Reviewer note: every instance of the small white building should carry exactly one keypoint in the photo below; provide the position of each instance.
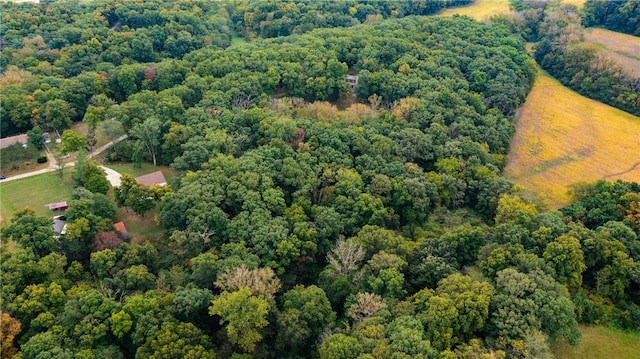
(353, 81)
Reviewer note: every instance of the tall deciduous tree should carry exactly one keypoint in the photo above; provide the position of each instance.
(149, 133)
(177, 341)
(31, 231)
(244, 316)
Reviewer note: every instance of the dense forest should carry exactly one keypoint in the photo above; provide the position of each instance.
(622, 16)
(307, 219)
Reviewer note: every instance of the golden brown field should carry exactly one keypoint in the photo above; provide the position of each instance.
(563, 138)
(623, 48)
(480, 9)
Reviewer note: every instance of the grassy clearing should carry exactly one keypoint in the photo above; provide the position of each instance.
(81, 129)
(623, 48)
(480, 9)
(140, 228)
(563, 138)
(577, 3)
(601, 343)
(236, 41)
(35, 192)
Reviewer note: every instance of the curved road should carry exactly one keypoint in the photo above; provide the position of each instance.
(112, 176)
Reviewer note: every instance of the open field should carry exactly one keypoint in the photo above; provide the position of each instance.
(35, 192)
(484, 9)
(563, 138)
(623, 48)
(601, 343)
(577, 3)
(480, 9)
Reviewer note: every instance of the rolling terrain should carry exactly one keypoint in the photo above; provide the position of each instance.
(623, 48)
(564, 138)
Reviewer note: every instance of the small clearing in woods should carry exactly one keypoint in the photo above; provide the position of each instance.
(563, 138)
(480, 9)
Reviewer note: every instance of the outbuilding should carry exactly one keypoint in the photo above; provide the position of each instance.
(59, 206)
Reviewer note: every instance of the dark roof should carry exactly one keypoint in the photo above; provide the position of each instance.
(122, 229)
(152, 178)
(58, 224)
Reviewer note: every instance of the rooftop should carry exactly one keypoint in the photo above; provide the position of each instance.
(152, 178)
(8, 141)
(120, 227)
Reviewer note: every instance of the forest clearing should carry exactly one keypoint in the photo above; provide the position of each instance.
(563, 138)
(623, 48)
(480, 9)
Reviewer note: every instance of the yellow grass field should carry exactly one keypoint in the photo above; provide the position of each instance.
(480, 9)
(483, 9)
(564, 138)
(623, 48)
(601, 343)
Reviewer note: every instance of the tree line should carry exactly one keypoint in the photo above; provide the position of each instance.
(561, 50)
(622, 16)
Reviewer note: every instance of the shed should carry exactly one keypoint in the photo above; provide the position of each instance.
(152, 178)
(120, 227)
(353, 81)
(59, 206)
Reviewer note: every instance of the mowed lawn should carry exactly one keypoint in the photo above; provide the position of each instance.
(35, 192)
(623, 48)
(480, 9)
(563, 138)
(601, 343)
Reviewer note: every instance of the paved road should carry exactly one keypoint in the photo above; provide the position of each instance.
(112, 176)
(34, 173)
(101, 149)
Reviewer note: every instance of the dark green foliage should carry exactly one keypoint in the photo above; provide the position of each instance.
(31, 231)
(328, 233)
(622, 16)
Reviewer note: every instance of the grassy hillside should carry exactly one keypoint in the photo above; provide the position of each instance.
(480, 9)
(601, 343)
(623, 48)
(563, 138)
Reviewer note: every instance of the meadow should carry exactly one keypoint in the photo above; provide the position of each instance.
(601, 343)
(563, 138)
(623, 48)
(480, 9)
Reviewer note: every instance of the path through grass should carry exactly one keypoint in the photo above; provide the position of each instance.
(563, 138)
(601, 343)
